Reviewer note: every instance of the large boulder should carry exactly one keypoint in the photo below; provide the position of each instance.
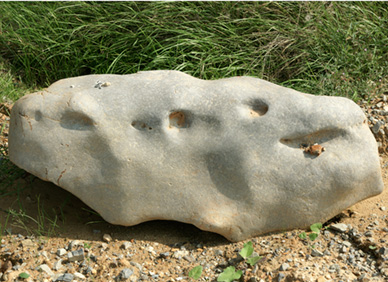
(237, 156)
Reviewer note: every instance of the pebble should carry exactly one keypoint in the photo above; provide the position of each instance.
(66, 277)
(27, 243)
(189, 258)
(284, 267)
(281, 276)
(76, 255)
(368, 234)
(179, 254)
(126, 245)
(79, 275)
(125, 274)
(164, 255)
(58, 265)
(316, 253)
(61, 252)
(137, 265)
(107, 238)
(383, 208)
(383, 251)
(340, 227)
(74, 244)
(46, 268)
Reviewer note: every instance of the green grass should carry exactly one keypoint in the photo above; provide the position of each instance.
(43, 224)
(11, 87)
(326, 48)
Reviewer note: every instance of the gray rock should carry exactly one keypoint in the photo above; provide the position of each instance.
(73, 244)
(57, 265)
(383, 251)
(316, 253)
(126, 245)
(284, 267)
(79, 275)
(46, 268)
(125, 274)
(223, 155)
(340, 227)
(164, 255)
(138, 265)
(61, 252)
(76, 255)
(66, 277)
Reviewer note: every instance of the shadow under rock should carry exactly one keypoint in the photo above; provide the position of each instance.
(76, 220)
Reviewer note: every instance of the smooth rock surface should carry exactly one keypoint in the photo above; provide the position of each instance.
(224, 155)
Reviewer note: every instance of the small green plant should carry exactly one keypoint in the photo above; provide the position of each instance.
(315, 230)
(87, 245)
(196, 272)
(24, 275)
(247, 252)
(229, 274)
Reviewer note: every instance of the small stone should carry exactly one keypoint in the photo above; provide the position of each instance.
(61, 252)
(150, 250)
(66, 277)
(76, 255)
(340, 227)
(284, 267)
(347, 244)
(164, 255)
(44, 254)
(316, 253)
(27, 243)
(137, 265)
(107, 238)
(189, 258)
(46, 268)
(368, 234)
(383, 251)
(383, 208)
(125, 274)
(376, 127)
(79, 275)
(126, 245)
(179, 254)
(58, 265)
(281, 276)
(74, 244)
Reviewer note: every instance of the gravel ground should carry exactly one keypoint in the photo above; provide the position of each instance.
(351, 247)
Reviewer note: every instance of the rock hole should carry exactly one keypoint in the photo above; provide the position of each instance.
(140, 125)
(76, 121)
(318, 137)
(38, 115)
(258, 108)
(178, 119)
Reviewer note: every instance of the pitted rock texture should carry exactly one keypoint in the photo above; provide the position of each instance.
(237, 156)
